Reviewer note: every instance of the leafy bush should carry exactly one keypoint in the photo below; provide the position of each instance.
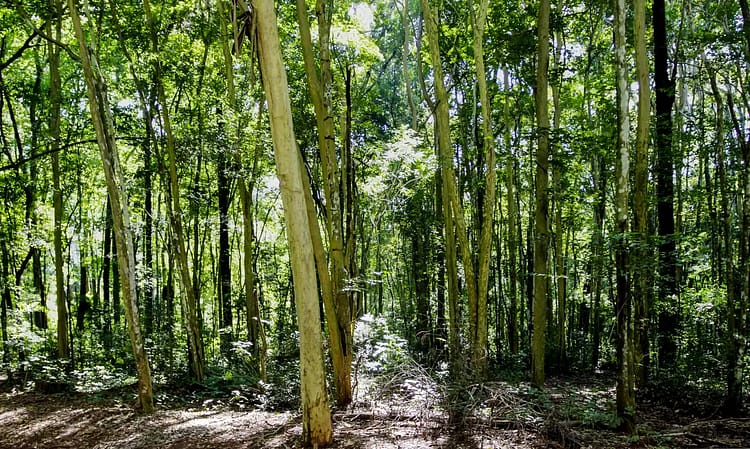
(378, 349)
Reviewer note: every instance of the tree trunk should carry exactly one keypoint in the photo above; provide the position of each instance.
(623, 349)
(664, 168)
(557, 172)
(103, 123)
(641, 269)
(320, 84)
(63, 350)
(541, 237)
(106, 271)
(448, 192)
(736, 276)
(148, 242)
(479, 335)
(224, 266)
(599, 176)
(316, 418)
(5, 296)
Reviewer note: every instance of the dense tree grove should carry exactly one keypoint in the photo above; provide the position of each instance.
(196, 189)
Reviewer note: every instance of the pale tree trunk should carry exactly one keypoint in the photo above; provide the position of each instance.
(255, 331)
(541, 213)
(105, 134)
(316, 417)
(642, 290)
(320, 84)
(195, 343)
(63, 346)
(623, 349)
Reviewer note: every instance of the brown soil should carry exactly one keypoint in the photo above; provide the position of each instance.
(506, 419)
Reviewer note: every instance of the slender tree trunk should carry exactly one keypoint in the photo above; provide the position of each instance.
(736, 276)
(103, 123)
(405, 56)
(557, 172)
(316, 418)
(623, 349)
(106, 271)
(737, 311)
(55, 92)
(5, 295)
(30, 189)
(448, 190)
(320, 84)
(148, 242)
(479, 335)
(641, 270)
(597, 255)
(224, 266)
(541, 218)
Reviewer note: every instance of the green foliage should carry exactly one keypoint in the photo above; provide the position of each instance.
(379, 350)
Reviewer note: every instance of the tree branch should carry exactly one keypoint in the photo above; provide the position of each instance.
(19, 163)
(73, 55)
(19, 52)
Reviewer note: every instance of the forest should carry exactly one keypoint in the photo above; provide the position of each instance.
(381, 224)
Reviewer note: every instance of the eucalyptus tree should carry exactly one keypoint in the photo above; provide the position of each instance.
(316, 417)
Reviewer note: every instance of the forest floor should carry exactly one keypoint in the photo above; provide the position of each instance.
(402, 411)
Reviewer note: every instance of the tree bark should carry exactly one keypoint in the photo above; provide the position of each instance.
(557, 172)
(316, 421)
(224, 265)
